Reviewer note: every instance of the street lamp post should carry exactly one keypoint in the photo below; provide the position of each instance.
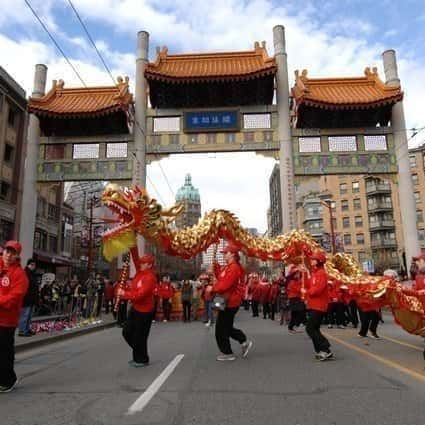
(328, 204)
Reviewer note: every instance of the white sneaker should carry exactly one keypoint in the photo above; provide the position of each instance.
(341, 327)
(330, 326)
(165, 320)
(208, 324)
(323, 355)
(246, 346)
(225, 357)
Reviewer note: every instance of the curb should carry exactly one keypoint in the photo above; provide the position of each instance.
(61, 337)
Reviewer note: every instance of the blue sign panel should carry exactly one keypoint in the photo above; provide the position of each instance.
(211, 121)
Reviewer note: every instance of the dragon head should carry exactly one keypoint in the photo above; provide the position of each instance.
(138, 215)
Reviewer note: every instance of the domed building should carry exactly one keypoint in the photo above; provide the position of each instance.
(188, 195)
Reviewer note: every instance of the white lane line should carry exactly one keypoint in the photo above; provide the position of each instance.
(153, 388)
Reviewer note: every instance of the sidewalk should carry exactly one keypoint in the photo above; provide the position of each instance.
(44, 338)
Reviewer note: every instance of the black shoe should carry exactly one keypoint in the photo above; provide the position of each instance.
(9, 388)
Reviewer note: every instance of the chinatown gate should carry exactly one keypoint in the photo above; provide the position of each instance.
(220, 102)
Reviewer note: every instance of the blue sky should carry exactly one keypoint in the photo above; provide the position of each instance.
(328, 37)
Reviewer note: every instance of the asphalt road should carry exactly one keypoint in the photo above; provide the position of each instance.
(87, 380)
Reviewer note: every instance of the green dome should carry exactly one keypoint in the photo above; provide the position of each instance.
(188, 192)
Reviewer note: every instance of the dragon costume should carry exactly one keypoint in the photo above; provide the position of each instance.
(139, 214)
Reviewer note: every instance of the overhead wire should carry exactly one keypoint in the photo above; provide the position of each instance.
(52, 38)
(113, 80)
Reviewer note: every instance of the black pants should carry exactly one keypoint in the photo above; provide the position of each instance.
(122, 312)
(314, 319)
(166, 308)
(369, 321)
(7, 356)
(336, 313)
(297, 317)
(266, 310)
(224, 330)
(254, 305)
(272, 310)
(135, 332)
(354, 318)
(187, 306)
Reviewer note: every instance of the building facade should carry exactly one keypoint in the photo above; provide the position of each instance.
(13, 106)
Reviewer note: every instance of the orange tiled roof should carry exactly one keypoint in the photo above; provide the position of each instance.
(344, 93)
(83, 101)
(228, 66)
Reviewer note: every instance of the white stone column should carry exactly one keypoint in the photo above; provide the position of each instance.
(287, 189)
(139, 168)
(405, 184)
(29, 195)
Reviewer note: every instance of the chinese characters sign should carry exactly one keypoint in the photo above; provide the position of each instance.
(211, 121)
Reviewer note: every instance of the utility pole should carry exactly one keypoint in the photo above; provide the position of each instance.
(328, 205)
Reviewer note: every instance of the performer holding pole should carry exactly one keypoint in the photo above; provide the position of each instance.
(230, 286)
(136, 329)
(317, 304)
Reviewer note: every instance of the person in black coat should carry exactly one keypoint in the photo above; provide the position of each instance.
(30, 300)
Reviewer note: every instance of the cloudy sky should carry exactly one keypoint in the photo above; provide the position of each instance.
(327, 37)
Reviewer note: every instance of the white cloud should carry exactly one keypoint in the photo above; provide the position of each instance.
(240, 183)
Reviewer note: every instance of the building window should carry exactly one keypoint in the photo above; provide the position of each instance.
(192, 139)
(343, 188)
(211, 138)
(412, 161)
(342, 143)
(344, 205)
(415, 179)
(116, 150)
(421, 234)
(166, 124)
(268, 136)
(357, 205)
(418, 197)
(173, 139)
(419, 216)
(8, 153)
(53, 244)
(347, 239)
(358, 220)
(345, 222)
(230, 137)
(6, 231)
(53, 152)
(355, 187)
(53, 213)
(362, 256)
(248, 136)
(4, 191)
(156, 139)
(375, 143)
(11, 118)
(86, 151)
(257, 121)
(309, 144)
(360, 238)
(40, 240)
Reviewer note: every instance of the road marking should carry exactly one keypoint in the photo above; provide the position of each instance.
(406, 344)
(384, 360)
(153, 388)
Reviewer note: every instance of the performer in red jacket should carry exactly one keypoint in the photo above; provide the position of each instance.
(137, 327)
(230, 285)
(13, 287)
(166, 292)
(317, 304)
(296, 304)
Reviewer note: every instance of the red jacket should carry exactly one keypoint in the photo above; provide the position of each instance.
(293, 289)
(265, 292)
(230, 283)
(317, 292)
(142, 291)
(334, 293)
(274, 292)
(109, 292)
(419, 282)
(256, 291)
(13, 287)
(165, 290)
(366, 304)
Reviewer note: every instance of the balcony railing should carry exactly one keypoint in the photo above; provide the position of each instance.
(381, 224)
(378, 188)
(380, 206)
(383, 243)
